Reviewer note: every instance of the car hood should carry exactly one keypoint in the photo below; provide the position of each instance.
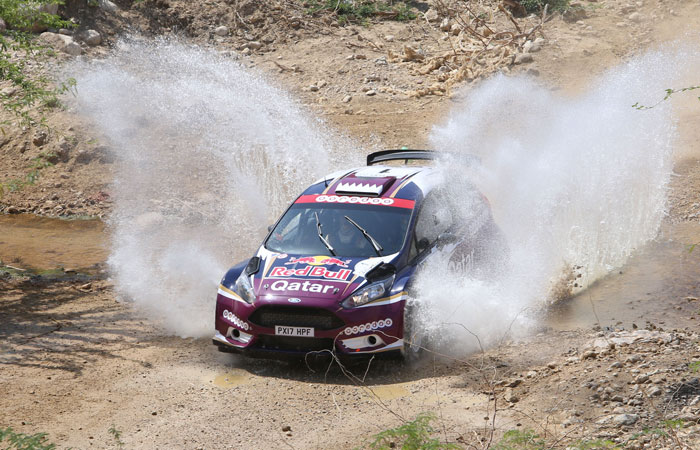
(315, 280)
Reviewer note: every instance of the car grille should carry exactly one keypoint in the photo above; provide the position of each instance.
(295, 316)
(292, 343)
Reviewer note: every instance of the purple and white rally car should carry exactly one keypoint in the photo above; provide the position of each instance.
(336, 270)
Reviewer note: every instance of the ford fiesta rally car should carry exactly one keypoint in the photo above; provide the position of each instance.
(335, 272)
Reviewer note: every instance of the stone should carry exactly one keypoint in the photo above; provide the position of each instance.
(431, 15)
(64, 148)
(246, 51)
(371, 92)
(313, 88)
(253, 45)
(635, 17)
(523, 58)
(510, 396)
(321, 83)
(625, 419)
(286, 428)
(3, 25)
(347, 99)
(62, 43)
(65, 32)
(445, 24)
(107, 5)
(455, 29)
(389, 38)
(39, 138)
(92, 38)
(221, 31)
(411, 54)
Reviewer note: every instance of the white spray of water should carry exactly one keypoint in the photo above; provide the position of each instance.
(576, 185)
(207, 154)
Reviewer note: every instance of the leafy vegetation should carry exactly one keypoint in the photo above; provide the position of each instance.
(18, 47)
(669, 93)
(117, 435)
(359, 11)
(27, 91)
(532, 6)
(414, 435)
(10, 439)
(520, 440)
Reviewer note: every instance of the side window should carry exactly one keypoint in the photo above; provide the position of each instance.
(434, 217)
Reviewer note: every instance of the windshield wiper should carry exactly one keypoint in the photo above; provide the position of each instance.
(320, 236)
(377, 248)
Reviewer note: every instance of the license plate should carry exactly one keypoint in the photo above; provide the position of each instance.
(281, 330)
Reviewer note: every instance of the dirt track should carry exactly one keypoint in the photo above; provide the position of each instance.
(75, 362)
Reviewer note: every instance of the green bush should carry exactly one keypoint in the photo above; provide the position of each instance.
(414, 435)
(9, 439)
(532, 6)
(359, 11)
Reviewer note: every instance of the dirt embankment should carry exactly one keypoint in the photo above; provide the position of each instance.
(76, 363)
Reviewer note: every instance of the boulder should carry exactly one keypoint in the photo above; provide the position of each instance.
(62, 43)
(221, 31)
(92, 38)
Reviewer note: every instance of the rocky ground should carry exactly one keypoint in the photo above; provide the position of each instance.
(76, 363)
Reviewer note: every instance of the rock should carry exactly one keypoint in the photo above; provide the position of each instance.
(286, 428)
(523, 58)
(64, 148)
(3, 25)
(65, 31)
(516, 382)
(431, 15)
(313, 88)
(39, 138)
(221, 31)
(347, 99)
(246, 51)
(321, 83)
(445, 24)
(389, 38)
(381, 61)
(635, 17)
(655, 391)
(92, 38)
(625, 419)
(510, 396)
(371, 92)
(455, 29)
(253, 45)
(61, 43)
(12, 210)
(107, 5)
(411, 54)
(527, 46)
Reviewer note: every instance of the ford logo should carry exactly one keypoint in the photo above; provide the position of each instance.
(294, 300)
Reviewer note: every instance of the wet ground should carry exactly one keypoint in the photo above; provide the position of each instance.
(653, 281)
(40, 243)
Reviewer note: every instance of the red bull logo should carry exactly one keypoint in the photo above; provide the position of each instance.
(311, 272)
(319, 261)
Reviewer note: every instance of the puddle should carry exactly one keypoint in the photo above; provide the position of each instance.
(390, 391)
(234, 377)
(655, 280)
(32, 242)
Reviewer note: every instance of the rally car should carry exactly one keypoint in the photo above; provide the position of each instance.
(335, 272)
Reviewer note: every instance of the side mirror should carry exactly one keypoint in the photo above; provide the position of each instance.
(422, 244)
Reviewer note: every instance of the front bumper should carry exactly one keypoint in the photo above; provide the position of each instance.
(373, 328)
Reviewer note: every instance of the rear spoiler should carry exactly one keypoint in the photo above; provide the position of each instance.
(412, 154)
(397, 155)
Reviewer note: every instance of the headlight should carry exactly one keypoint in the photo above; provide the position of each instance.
(244, 289)
(368, 293)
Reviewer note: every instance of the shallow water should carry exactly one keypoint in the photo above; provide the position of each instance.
(656, 279)
(32, 242)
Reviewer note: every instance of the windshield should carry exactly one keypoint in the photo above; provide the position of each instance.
(297, 231)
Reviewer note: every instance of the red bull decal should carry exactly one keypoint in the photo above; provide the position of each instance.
(319, 261)
(348, 199)
(312, 272)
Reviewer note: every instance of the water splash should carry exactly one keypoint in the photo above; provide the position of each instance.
(208, 153)
(576, 184)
